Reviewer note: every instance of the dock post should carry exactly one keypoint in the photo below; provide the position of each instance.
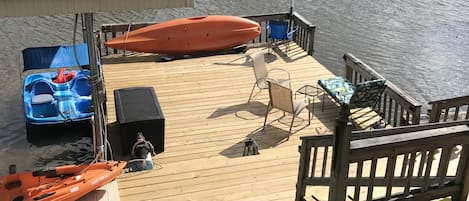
(340, 157)
(98, 93)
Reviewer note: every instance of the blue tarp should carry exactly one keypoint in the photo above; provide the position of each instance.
(54, 57)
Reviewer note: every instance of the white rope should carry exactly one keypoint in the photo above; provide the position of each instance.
(75, 54)
(126, 37)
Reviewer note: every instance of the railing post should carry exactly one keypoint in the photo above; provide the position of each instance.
(340, 157)
(103, 31)
(462, 175)
(312, 31)
(305, 155)
(98, 42)
(435, 113)
(416, 115)
(348, 69)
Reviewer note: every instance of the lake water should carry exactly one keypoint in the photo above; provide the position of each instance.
(419, 45)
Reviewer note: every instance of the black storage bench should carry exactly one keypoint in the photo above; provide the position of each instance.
(138, 110)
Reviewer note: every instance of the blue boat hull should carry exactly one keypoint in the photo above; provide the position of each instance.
(46, 102)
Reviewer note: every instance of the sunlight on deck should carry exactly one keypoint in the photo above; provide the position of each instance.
(204, 101)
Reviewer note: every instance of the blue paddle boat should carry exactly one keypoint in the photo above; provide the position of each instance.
(61, 95)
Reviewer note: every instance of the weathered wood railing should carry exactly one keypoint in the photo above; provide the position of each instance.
(457, 107)
(304, 36)
(396, 106)
(409, 154)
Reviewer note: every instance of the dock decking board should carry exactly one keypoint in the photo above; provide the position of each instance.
(204, 101)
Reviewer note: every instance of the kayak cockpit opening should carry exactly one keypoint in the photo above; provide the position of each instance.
(197, 18)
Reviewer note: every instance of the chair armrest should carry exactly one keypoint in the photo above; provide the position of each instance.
(264, 80)
(279, 69)
(290, 34)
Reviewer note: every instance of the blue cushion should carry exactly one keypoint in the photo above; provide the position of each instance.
(339, 88)
(367, 94)
(41, 99)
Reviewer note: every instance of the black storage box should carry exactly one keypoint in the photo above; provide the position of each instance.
(138, 110)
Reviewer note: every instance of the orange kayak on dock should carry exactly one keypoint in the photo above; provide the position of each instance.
(189, 35)
(64, 183)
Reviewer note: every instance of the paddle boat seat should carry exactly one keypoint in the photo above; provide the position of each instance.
(42, 87)
(43, 106)
(81, 86)
(42, 101)
(83, 105)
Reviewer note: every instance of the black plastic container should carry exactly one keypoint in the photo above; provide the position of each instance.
(138, 110)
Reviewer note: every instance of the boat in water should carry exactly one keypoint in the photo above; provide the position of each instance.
(64, 183)
(193, 35)
(57, 96)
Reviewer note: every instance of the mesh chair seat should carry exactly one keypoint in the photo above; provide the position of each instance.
(282, 98)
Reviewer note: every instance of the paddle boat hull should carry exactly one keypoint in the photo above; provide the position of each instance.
(57, 91)
(46, 102)
(189, 35)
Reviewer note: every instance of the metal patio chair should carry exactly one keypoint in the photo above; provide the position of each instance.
(281, 98)
(262, 75)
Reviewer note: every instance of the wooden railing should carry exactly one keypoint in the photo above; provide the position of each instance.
(416, 160)
(452, 109)
(396, 106)
(304, 36)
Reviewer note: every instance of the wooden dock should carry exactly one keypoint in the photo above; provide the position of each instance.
(108, 192)
(208, 119)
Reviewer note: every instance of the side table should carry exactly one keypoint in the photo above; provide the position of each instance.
(310, 91)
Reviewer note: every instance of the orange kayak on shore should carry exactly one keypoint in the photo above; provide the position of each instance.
(64, 183)
(189, 35)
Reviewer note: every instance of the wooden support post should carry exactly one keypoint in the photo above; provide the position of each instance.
(98, 43)
(312, 30)
(462, 174)
(105, 39)
(443, 166)
(305, 156)
(369, 195)
(435, 114)
(340, 157)
(348, 72)
(98, 91)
